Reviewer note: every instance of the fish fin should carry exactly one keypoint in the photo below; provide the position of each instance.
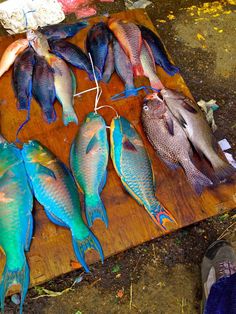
(196, 178)
(92, 143)
(94, 209)
(103, 182)
(170, 164)
(182, 121)
(128, 189)
(223, 169)
(168, 67)
(188, 104)
(161, 216)
(50, 115)
(138, 69)
(9, 278)
(127, 145)
(69, 116)
(81, 246)
(73, 78)
(54, 219)
(169, 124)
(45, 171)
(29, 233)
(156, 83)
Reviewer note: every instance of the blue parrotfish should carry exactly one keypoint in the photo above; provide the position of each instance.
(16, 222)
(55, 189)
(60, 31)
(43, 88)
(73, 55)
(97, 41)
(134, 168)
(88, 160)
(64, 79)
(22, 78)
(158, 51)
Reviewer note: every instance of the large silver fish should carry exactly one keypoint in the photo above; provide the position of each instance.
(198, 131)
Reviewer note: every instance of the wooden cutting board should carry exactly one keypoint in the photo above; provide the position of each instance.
(51, 250)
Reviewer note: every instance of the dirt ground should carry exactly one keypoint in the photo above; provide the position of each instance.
(163, 276)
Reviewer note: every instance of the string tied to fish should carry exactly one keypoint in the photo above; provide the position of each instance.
(126, 92)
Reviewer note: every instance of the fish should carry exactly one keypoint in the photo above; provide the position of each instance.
(129, 36)
(148, 64)
(22, 78)
(61, 31)
(109, 65)
(88, 161)
(97, 42)
(73, 55)
(64, 79)
(124, 69)
(10, 54)
(198, 131)
(43, 88)
(55, 189)
(133, 166)
(170, 141)
(16, 221)
(158, 50)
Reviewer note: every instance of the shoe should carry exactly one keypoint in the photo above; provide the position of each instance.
(219, 261)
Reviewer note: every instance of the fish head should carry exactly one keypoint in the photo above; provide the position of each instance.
(153, 107)
(93, 116)
(38, 41)
(34, 152)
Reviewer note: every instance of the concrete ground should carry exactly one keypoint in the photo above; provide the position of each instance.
(164, 275)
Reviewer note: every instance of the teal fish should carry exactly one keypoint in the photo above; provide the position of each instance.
(133, 166)
(88, 160)
(16, 222)
(55, 188)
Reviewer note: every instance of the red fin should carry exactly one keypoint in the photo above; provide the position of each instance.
(157, 84)
(128, 145)
(138, 70)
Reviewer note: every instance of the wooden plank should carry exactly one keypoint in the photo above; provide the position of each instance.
(51, 251)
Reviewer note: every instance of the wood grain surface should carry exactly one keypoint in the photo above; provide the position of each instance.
(51, 250)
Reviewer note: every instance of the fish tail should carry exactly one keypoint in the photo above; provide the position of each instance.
(156, 83)
(161, 216)
(138, 69)
(95, 209)
(69, 116)
(81, 246)
(50, 115)
(223, 169)
(170, 68)
(9, 278)
(196, 178)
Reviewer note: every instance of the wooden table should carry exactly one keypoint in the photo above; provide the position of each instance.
(51, 251)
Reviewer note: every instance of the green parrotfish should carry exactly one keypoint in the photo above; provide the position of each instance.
(88, 160)
(133, 166)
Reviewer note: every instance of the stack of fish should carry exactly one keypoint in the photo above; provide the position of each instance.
(37, 171)
(171, 121)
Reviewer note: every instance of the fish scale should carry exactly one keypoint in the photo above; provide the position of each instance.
(133, 166)
(88, 160)
(55, 188)
(16, 202)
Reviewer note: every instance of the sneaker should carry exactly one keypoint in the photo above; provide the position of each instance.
(219, 261)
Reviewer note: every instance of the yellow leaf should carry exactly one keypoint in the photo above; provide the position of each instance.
(200, 37)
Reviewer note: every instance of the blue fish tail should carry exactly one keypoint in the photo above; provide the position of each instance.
(95, 209)
(170, 68)
(9, 278)
(81, 246)
(161, 216)
(69, 116)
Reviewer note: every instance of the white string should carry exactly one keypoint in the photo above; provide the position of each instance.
(107, 106)
(98, 95)
(85, 91)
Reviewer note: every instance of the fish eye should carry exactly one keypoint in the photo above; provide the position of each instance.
(145, 108)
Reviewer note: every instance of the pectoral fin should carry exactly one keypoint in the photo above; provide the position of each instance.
(45, 171)
(92, 144)
(169, 125)
(127, 145)
(189, 105)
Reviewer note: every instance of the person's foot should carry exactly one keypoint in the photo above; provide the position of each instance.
(219, 261)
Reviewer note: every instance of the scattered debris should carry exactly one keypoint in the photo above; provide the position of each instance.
(115, 269)
(120, 293)
(96, 281)
(118, 275)
(208, 107)
(140, 4)
(131, 295)
(224, 145)
(15, 298)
